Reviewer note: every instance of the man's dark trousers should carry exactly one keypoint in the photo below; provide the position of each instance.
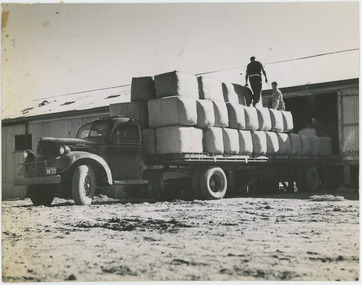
(255, 84)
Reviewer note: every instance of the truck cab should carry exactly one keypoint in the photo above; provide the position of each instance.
(107, 151)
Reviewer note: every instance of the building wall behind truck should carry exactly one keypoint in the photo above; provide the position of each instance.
(10, 160)
(47, 127)
(348, 120)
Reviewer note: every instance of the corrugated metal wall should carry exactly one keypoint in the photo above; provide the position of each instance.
(349, 120)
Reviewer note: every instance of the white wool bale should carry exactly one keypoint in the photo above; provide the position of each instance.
(264, 119)
(136, 110)
(259, 142)
(178, 139)
(221, 114)
(284, 143)
(176, 83)
(326, 146)
(213, 141)
(149, 141)
(272, 143)
(306, 145)
(251, 118)
(295, 144)
(236, 115)
(276, 118)
(210, 89)
(308, 132)
(245, 142)
(287, 121)
(231, 141)
(205, 113)
(315, 144)
(234, 93)
(172, 111)
(143, 89)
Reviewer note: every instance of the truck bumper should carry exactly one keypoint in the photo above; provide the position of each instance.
(54, 179)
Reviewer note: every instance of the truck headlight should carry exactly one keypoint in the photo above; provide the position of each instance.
(63, 150)
(28, 154)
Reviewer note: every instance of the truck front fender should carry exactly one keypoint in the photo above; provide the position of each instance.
(67, 161)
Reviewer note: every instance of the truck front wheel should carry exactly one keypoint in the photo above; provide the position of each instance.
(83, 185)
(213, 183)
(39, 195)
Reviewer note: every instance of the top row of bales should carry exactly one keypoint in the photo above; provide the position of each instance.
(178, 98)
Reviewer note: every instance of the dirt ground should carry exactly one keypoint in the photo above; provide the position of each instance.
(288, 237)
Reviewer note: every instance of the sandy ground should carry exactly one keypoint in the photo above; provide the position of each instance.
(289, 237)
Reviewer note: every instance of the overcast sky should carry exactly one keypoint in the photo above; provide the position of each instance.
(53, 49)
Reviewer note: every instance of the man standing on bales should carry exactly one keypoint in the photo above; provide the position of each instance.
(277, 97)
(253, 73)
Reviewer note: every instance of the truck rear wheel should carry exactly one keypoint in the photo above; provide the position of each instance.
(83, 185)
(213, 183)
(39, 195)
(308, 179)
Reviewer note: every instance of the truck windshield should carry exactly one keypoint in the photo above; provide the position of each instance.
(95, 129)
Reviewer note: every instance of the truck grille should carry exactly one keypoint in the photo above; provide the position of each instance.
(36, 169)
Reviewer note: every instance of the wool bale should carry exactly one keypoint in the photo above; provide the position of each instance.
(143, 89)
(176, 83)
(315, 144)
(205, 113)
(259, 142)
(221, 114)
(295, 144)
(234, 93)
(306, 145)
(272, 143)
(284, 143)
(136, 110)
(213, 141)
(231, 141)
(287, 121)
(210, 89)
(326, 146)
(236, 115)
(308, 132)
(251, 118)
(178, 139)
(276, 118)
(264, 119)
(245, 142)
(149, 141)
(172, 111)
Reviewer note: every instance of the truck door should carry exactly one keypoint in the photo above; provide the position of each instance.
(124, 151)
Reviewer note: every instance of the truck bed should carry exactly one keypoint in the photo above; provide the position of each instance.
(186, 158)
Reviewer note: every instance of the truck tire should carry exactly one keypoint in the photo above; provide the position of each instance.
(39, 195)
(83, 185)
(213, 183)
(308, 179)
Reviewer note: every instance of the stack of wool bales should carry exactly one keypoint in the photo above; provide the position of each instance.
(183, 113)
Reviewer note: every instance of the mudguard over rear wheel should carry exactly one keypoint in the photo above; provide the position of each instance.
(40, 195)
(83, 185)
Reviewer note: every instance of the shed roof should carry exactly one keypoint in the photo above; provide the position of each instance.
(71, 102)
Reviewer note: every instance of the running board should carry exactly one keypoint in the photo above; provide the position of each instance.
(130, 182)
